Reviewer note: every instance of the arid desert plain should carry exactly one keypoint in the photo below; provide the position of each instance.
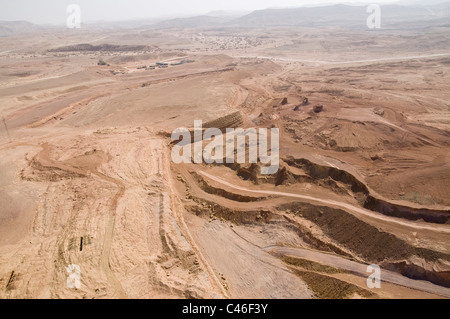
(87, 177)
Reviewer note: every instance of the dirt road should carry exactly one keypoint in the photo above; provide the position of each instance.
(359, 269)
(345, 62)
(352, 208)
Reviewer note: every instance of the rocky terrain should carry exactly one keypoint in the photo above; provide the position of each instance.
(87, 179)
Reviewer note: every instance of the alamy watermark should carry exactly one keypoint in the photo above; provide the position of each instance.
(74, 19)
(374, 280)
(374, 19)
(225, 147)
(74, 277)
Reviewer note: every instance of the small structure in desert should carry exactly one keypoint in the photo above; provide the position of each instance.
(318, 108)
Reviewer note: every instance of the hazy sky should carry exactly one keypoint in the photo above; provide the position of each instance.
(54, 11)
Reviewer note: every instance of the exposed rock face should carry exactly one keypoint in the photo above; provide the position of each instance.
(83, 47)
(284, 177)
(421, 269)
(318, 108)
(284, 101)
(376, 157)
(304, 102)
(379, 111)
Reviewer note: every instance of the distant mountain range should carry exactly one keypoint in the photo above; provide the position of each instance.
(192, 22)
(15, 27)
(320, 16)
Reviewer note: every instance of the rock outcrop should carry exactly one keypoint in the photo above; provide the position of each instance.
(318, 108)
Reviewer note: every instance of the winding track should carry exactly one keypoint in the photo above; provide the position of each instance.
(355, 209)
(388, 59)
(338, 261)
(359, 269)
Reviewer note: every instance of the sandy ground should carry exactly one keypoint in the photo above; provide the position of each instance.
(86, 176)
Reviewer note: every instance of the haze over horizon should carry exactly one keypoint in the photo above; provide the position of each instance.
(54, 11)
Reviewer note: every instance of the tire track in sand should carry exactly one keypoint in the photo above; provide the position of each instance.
(109, 232)
(44, 159)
